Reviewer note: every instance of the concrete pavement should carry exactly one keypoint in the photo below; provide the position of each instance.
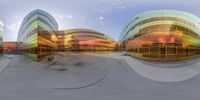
(4, 62)
(163, 72)
(23, 79)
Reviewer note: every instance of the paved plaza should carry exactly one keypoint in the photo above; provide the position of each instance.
(84, 76)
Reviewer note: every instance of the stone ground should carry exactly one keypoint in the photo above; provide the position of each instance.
(75, 76)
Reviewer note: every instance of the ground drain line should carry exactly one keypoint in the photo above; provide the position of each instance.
(102, 78)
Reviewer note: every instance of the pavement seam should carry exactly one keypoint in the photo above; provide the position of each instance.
(88, 85)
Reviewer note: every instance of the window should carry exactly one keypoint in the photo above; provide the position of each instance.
(171, 50)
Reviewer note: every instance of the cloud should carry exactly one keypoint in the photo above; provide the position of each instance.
(11, 28)
(121, 7)
(69, 16)
(62, 16)
(101, 9)
(63, 20)
(11, 31)
(101, 18)
(14, 26)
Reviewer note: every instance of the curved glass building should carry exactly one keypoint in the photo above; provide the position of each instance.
(85, 40)
(37, 35)
(1, 37)
(164, 35)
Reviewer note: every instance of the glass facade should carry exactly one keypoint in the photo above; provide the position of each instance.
(163, 35)
(10, 47)
(37, 35)
(1, 37)
(85, 40)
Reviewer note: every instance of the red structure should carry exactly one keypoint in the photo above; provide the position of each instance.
(10, 47)
(61, 43)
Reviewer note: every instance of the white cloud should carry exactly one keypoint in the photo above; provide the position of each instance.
(12, 31)
(101, 9)
(63, 20)
(109, 7)
(101, 18)
(14, 26)
(121, 7)
(62, 16)
(69, 16)
(11, 28)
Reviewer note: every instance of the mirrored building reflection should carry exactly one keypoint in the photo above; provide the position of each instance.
(1, 37)
(162, 35)
(85, 40)
(10, 47)
(37, 35)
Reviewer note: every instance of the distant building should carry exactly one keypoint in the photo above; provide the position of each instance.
(10, 47)
(1, 37)
(84, 40)
(61, 41)
(37, 35)
(164, 35)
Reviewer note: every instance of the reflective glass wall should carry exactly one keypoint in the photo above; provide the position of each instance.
(163, 35)
(37, 35)
(85, 40)
(10, 47)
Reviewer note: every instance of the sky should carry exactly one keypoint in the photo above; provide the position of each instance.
(106, 16)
